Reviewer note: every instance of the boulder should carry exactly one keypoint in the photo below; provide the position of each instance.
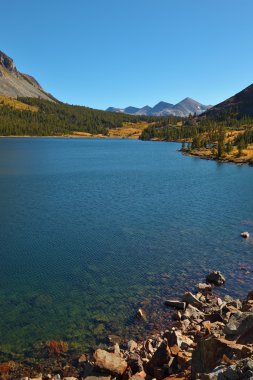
(135, 363)
(189, 298)
(215, 278)
(110, 362)
(176, 338)
(176, 304)
(210, 351)
(161, 356)
(240, 325)
(192, 312)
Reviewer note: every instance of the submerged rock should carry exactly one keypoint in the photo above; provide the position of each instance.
(176, 304)
(140, 314)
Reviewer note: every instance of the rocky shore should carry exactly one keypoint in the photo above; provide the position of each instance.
(207, 154)
(208, 338)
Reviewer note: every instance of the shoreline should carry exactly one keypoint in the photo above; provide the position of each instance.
(207, 336)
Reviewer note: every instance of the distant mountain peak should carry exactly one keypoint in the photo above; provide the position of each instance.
(184, 108)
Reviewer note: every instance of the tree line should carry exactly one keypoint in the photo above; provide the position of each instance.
(59, 118)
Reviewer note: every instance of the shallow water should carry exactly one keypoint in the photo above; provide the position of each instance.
(91, 229)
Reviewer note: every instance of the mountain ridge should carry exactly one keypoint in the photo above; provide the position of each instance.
(15, 84)
(240, 104)
(184, 108)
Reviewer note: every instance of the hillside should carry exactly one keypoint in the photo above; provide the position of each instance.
(13, 83)
(240, 104)
(224, 132)
(39, 117)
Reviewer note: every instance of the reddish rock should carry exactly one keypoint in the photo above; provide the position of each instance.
(110, 362)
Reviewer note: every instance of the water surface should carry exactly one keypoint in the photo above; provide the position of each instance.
(91, 229)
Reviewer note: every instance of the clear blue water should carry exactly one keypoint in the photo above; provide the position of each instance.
(91, 229)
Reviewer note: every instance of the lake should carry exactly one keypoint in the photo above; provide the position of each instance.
(92, 229)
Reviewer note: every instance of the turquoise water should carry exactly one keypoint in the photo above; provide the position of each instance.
(91, 229)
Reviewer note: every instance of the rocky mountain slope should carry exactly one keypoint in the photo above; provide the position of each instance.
(183, 109)
(16, 84)
(240, 104)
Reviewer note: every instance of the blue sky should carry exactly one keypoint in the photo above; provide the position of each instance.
(104, 53)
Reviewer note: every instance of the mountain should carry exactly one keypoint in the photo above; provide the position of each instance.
(15, 84)
(189, 106)
(146, 111)
(162, 108)
(131, 110)
(183, 109)
(240, 104)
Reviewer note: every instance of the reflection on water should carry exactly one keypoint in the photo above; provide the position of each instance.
(92, 229)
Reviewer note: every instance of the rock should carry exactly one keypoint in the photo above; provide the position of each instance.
(176, 338)
(176, 304)
(204, 287)
(184, 360)
(110, 362)
(161, 356)
(209, 353)
(116, 349)
(216, 278)
(174, 350)
(135, 363)
(132, 345)
(250, 296)
(158, 373)
(82, 359)
(139, 376)
(245, 235)
(192, 312)
(240, 325)
(189, 298)
(148, 346)
(140, 314)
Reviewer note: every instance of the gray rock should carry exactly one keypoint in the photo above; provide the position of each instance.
(239, 324)
(216, 278)
(189, 298)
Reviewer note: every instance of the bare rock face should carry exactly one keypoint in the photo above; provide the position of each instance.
(7, 62)
(110, 362)
(14, 83)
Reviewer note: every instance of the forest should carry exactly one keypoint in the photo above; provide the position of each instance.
(45, 118)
